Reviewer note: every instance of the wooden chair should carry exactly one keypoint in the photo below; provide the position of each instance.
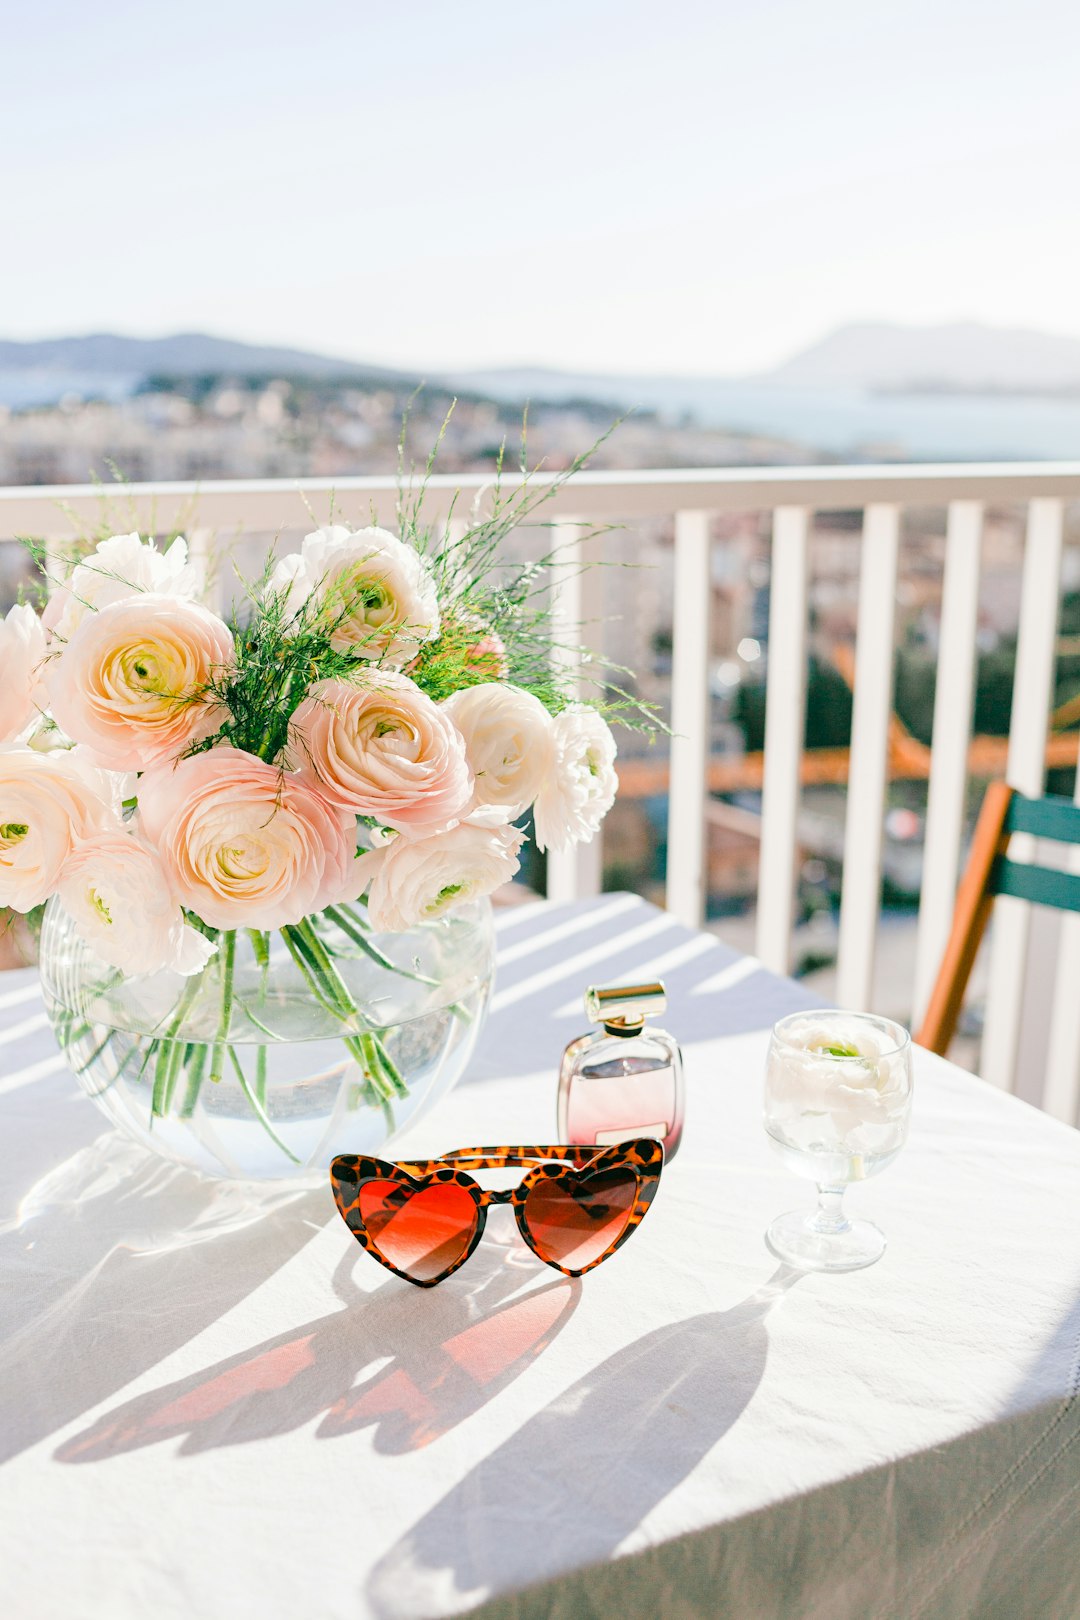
(988, 873)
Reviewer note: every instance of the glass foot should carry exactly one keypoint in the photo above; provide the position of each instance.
(796, 1238)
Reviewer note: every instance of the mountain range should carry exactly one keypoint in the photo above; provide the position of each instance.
(868, 357)
(184, 354)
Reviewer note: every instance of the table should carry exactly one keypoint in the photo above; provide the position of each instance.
(220, 1408)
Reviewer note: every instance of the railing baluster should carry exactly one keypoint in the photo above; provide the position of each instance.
(1061, 1096)
(575, 873)
(1026, 770)
(954, 703)
(686, 850)
(785, 725)
(860, 903)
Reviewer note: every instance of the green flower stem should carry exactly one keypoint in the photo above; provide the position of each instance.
(260, 1073)
(164, 1047)
(332, 993)
(257, 1108)
(298, 951)
(380, 1059)
(384, 1068)
(345, 918)
(325, 963)
(227, 953)
(196, 1069)
(352, 927)
(182, 1056)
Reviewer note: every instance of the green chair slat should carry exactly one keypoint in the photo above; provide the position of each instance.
(1049, 817)
(1040, 884)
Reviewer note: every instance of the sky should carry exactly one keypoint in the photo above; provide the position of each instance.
(682, 187)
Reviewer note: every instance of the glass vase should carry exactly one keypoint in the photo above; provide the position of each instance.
(288, 1047)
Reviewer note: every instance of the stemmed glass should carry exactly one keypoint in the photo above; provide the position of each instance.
(837, 1105)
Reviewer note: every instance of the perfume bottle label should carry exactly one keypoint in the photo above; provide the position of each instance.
(606, 1138)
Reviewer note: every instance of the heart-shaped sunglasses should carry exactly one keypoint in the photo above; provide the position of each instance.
(424, 1218)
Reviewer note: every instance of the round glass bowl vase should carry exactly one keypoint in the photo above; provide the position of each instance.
(288, 1047)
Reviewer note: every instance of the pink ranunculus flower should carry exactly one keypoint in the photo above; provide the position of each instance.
(132, 682)
(508, 742)
(245, 844)
(374, 593)
(22, 648)
(487, 657)
(378, 746)
(115, 888)
(412, 881)
(122, 566)
(48, 803)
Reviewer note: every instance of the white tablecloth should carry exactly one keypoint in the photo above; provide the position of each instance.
(214, 1408)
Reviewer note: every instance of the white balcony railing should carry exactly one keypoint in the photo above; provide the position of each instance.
(791, 496)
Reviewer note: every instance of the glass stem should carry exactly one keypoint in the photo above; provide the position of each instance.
(829, 1218)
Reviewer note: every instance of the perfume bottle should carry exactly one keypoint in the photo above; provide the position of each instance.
(623, 1080)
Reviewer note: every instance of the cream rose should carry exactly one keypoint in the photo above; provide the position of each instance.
(378, 746)
(246, 845)
(116, 889)
(48, 803)
(373, 591)
(22, 648)
(581, 785)
(120, 567)
(508, 742)
(411, 881)
(131, 683)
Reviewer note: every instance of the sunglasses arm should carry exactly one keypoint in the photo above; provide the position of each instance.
(500, 1158)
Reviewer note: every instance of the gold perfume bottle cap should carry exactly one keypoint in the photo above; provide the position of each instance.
(624, 1007)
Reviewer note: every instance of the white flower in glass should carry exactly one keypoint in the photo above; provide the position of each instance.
(120, 567)
(843, 1077)
(22, 647)
(580, 787)
(374, 594)
(116, 890)
(509, 743)
(413, 880)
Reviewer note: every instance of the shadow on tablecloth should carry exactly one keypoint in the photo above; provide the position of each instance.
(582, 1474)
(986, 1527)
(433, 1369)
(115, 1259)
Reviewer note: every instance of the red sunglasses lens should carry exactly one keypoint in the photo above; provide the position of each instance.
(574, 1219)
(423, 1231)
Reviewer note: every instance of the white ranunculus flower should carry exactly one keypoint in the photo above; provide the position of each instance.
(22, 648)
(116, 890)
(508, 742)
(410, 881)
(374, 592)
(48, 804)
(581, 785)
(840, 1067)
(119, 567)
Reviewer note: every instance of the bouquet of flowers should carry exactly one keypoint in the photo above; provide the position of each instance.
(357, 743)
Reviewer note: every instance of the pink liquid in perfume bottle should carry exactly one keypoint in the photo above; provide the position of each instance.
(621, 1089)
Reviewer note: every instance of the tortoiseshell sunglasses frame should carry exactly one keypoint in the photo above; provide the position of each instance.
(644, 1156)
